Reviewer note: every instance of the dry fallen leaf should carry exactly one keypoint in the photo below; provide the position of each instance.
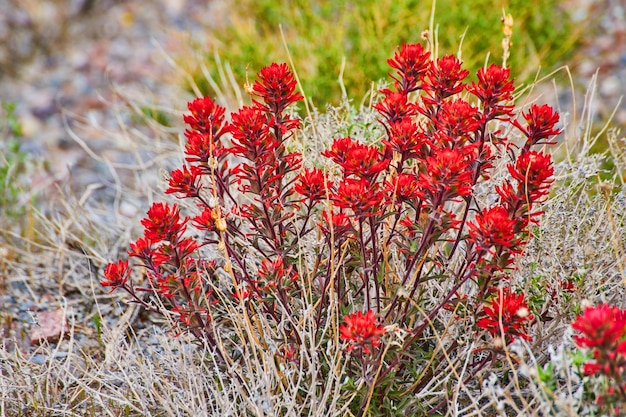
(51, 325)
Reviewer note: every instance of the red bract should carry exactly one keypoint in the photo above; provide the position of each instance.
(277, 87)
(361, 331)
(313, 184)
(358, 195)
(206, 220)
(493, 88)
(448, 175)
(403, 187)
(116, 275)
(274, 275)
(356, 158)
(601, 326)
(541, 121)
(443, 79)
(340, 228)
(493, 227)
(185, 181)
(251, 135)
(533, 171)
(163, 223)
(458, 120)
(395, 107)
(405, 138)
(507, 314)
(206, 117)
(410, 62)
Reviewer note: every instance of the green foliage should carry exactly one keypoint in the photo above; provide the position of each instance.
(321, 34)
(12, 161)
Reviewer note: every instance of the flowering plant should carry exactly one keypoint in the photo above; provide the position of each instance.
(603, 331)
(371, 252)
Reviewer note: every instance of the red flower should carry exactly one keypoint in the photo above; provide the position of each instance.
(206, 117)
(507, 313)
(411, 62)
(402, 187)
(361, 331)
(251, 138)
(493, 88)
(163, 223)
(116, 275)
(405, 138)
(601, 326)
(358, 195)
(185, 181)
(356, 158)
(493, 227)
(457, 119)
(443, 79)
(206, 220)
(200, 147)
(395, 107)
(274, 275)
(340, 228)
(541, 122)
(448, 175)
(312, 184)
(533, 171)
(277, 86)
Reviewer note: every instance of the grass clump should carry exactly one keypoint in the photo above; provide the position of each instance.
(349, 39)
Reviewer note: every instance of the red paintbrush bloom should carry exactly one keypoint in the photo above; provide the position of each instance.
(357, 158)
(313, 184)
(507, 313)
(493, 88)
(163, 223)
(206, 117)
(206, 220)
(405, 138)
(116, 275)
(457, 119)
(410, 62)
(201, 146)
(274, 275)
(361, 331)
(402, 187)
(358, 195)
(443, 79)
(251, 135)
(493, 227)
(277, 86)
(185, 181)
(533, 171)
(541, 121)
(395, 107)
(340, 227)
(601, 326)
(448, 175)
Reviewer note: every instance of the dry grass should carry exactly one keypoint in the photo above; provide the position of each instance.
(119, 361)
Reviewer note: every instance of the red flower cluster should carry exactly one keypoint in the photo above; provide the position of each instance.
(116, 275)
(361, 331)
(603, 330)
(507, 314)
(393, 215)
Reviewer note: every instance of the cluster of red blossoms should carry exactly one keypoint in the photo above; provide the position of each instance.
(603, 331)
(389, 216)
